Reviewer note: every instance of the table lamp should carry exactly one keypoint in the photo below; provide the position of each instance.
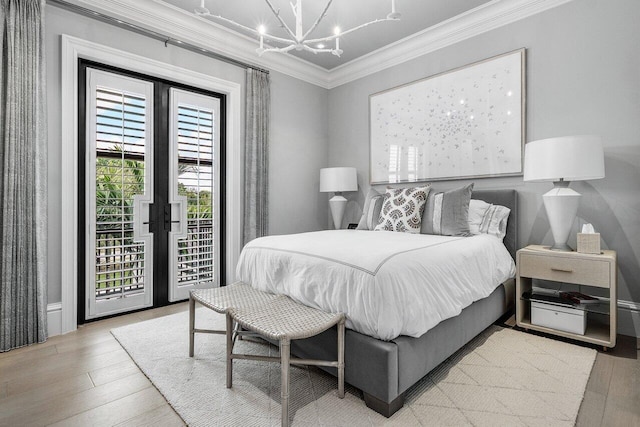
(337, 180)
(562, 160)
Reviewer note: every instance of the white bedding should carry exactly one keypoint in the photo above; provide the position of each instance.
(387, 283)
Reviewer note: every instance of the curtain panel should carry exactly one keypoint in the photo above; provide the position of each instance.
(23, 160)
(256, 155)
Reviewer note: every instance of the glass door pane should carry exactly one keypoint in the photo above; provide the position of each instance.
(118, 193)
(194, 189)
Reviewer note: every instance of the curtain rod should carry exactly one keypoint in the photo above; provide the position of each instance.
(150, 33)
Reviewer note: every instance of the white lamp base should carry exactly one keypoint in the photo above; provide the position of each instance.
(561, 204)
(338, 205)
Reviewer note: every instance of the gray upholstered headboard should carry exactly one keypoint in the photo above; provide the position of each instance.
(509, 199)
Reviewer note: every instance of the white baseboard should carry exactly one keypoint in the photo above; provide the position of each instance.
(629, 318)
(54, 318)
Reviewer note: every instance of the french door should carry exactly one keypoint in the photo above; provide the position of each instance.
(193, 247)
(152, 191)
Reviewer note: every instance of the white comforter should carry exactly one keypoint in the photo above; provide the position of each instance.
(387, 283)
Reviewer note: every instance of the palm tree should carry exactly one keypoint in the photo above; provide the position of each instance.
(117, 181)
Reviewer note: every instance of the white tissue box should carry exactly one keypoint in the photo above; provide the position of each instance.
(589, 243)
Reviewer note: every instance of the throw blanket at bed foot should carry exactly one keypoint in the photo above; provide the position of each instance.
(388, 284)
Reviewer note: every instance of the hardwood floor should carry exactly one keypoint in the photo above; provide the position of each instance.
(86, 378)
(82, 378)
(612, 397)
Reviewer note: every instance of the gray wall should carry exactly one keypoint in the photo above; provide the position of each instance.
(583, 77)
(299, 140)
(298, 135)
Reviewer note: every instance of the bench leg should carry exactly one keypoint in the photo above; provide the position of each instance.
(341, 359)
(229, 351)
(192, 323)
(285, 348)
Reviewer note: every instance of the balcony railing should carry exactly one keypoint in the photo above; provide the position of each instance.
(120, 261)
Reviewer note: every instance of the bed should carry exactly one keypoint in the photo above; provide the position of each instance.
(401, 322)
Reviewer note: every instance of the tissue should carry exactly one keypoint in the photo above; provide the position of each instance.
(588, 240)
(588, 229)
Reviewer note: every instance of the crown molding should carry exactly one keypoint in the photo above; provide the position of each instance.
(179, 24)
(489, 16)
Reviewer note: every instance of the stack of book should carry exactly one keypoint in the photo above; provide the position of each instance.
(567, 299)
(578, 298)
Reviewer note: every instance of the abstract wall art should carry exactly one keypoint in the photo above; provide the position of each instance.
(464, 123)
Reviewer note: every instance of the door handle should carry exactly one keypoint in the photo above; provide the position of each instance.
(176, 209)
(168, 222)
(141, 217)
(152, 218)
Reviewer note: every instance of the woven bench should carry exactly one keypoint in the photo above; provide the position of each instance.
(275, 317)
(221, 300)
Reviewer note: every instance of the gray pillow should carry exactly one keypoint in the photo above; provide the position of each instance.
(447, 213)
(371, 211)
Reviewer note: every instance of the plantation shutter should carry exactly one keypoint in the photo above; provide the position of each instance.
(119, 133)
(196, 143)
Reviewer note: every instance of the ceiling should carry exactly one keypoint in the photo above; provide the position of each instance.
(417, 15)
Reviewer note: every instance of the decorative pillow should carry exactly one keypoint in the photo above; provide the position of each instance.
(371, 211)
(447, 213)
(402, 209)
(485, 218)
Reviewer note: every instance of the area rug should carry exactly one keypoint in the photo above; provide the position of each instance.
(502, 377)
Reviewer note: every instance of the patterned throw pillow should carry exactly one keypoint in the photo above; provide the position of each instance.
(402, 209)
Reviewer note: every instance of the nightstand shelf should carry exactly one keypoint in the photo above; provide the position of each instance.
(599, 271)
(602, 308)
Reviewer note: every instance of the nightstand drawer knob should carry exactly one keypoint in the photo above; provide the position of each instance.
(563, 270)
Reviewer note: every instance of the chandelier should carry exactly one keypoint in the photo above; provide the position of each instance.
(298, 40)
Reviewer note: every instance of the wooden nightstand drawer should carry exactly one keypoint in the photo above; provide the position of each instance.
(565, 269)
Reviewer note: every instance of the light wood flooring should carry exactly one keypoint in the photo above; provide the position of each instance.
(85, 378)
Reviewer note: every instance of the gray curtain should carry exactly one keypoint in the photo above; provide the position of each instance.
(256, 155)
(23, 159)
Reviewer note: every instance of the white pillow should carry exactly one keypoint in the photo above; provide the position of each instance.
(485, 218)
(371, 211)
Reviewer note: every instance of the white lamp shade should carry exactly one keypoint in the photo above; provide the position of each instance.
(338, 179)
(572, 158)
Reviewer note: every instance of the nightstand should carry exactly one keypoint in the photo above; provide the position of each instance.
(588, 270)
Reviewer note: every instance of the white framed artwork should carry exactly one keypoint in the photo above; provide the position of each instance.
(464, 123)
